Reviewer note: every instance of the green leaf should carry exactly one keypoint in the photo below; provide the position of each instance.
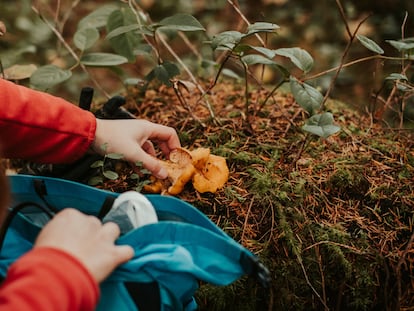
(145, 171)
(163, 73)
(181, 22)
(97, 18)
(231, 74)
(321, 125)
(134, 176)
(110, 175)
(254, 59)
(97, 164)
(19, 72)
(300, 57)
(227, 40)
(265, 51)
(96, 180)
(261, 27)
(47, 76)
(115, 156)
(103, 59)
(125, 42)
(241, 49)
(85, 38)
(139, 163)
(141, 185)
(11, 56)
(103, 147)
(397, 76)
(122, 30)
(370, 44)
(306, 96)
(402, 45)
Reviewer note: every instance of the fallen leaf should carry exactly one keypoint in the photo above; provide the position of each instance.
(19, 72)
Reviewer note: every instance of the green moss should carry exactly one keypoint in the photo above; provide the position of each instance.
(349, 181)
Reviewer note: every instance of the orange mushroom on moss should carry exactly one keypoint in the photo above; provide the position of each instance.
(207, 172)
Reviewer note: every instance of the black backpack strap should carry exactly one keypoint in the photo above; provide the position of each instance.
(146, 296)
(106, 206)
(41, 190)
(254, 267)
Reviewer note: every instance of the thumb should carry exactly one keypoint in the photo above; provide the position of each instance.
(124, 253)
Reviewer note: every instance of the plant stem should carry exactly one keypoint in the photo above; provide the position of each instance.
(351, 63)
(70, 50)
(237, 9)
(134, 6)
(345, 53)
(246, 89)
(278, 85)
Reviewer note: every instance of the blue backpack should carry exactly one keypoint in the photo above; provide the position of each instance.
(171, 256)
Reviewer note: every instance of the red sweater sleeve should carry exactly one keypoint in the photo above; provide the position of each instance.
(40, 127)
(48, 279)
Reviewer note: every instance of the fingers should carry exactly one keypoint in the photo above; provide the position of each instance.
(153, 165)
(166, 137)
(134, 139)
(111, 231)
(121, 253)
(148, 147)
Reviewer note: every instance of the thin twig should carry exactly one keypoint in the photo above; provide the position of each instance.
(320, 265)
(404, 23)
(345, 53)
(398, 269)
(246, 219)
(351, 63)
(181, 99)
(344, 19)
(404, 68)
(70, 50)
(310, 284)
(135, 7)
(237, 9)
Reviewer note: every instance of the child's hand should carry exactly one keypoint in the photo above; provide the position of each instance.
(87, 239)
(134, 140)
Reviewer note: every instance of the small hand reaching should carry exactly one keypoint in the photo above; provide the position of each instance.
(134, 140)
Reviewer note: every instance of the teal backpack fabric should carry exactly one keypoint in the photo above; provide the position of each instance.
(171, 256)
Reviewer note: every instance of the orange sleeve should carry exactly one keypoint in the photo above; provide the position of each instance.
(40, 127)
(48, 279)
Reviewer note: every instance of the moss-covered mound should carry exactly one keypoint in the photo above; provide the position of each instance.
(332, 219)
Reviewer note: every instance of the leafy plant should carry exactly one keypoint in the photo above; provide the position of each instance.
(138, 177)
(105, 172)
(128, 33)
(236, 46)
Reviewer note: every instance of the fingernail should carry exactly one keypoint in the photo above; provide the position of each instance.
(162, 173)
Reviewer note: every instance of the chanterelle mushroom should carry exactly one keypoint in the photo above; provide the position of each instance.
(180, 170)
(212, 176)
(208, 172)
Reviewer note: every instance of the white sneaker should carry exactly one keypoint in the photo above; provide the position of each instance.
(131, 210)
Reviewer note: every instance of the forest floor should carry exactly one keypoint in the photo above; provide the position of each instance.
(331, 218)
